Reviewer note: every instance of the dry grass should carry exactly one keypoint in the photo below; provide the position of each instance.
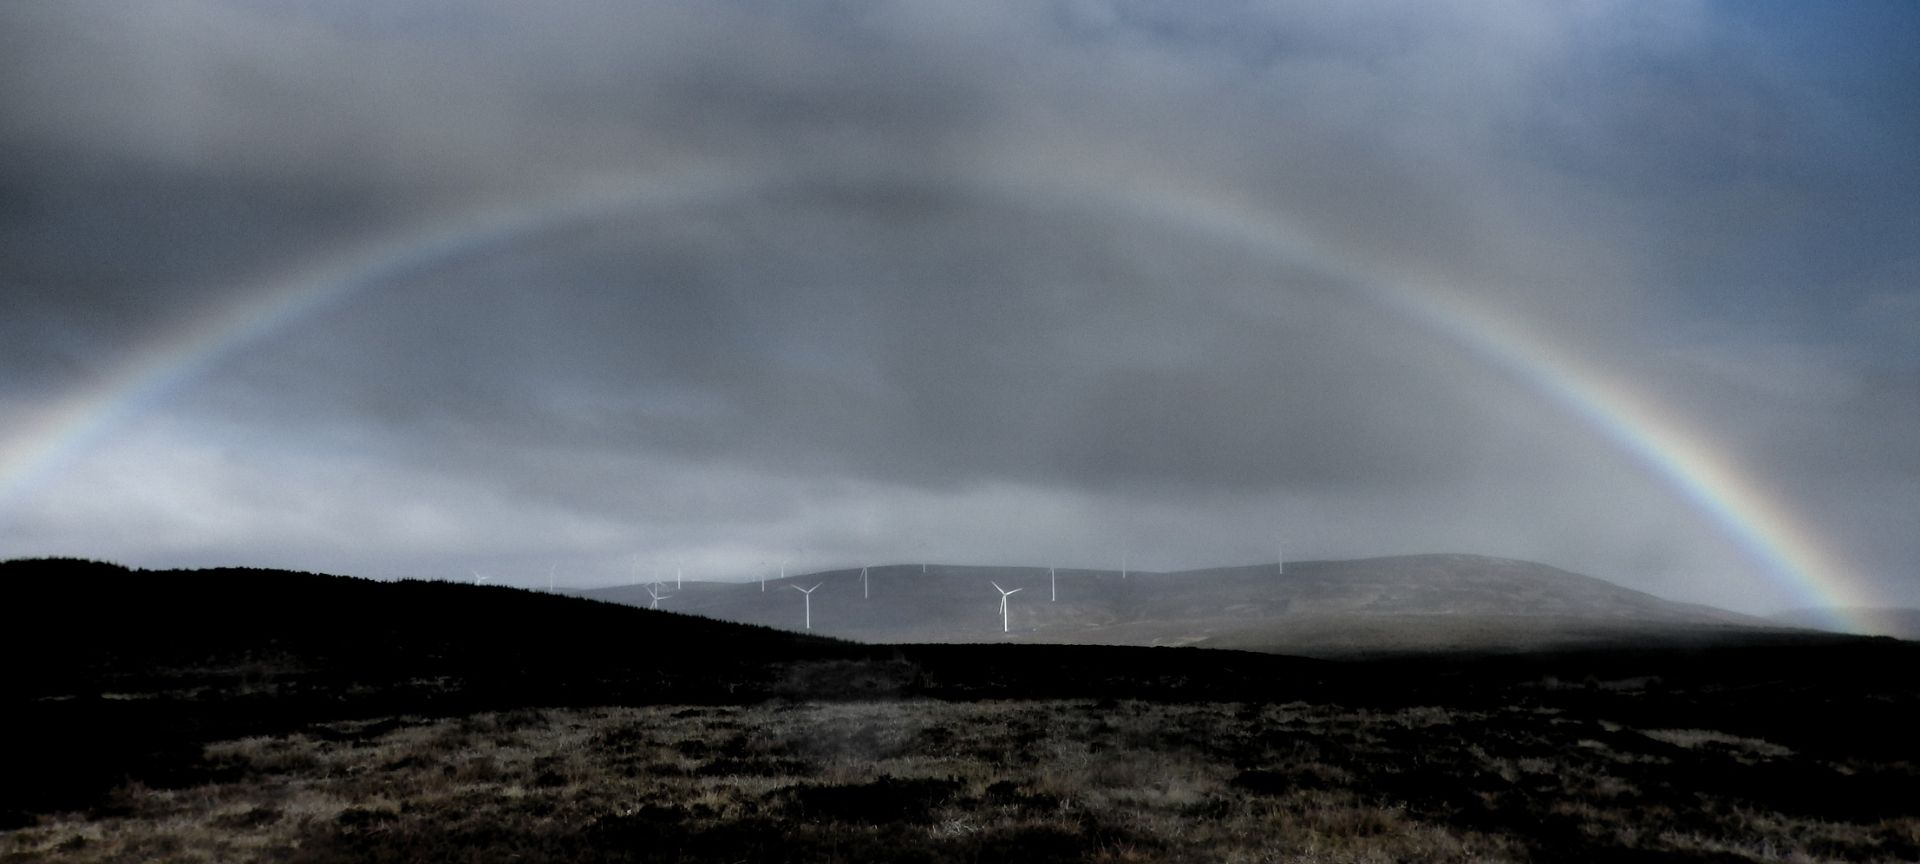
(939, 781)
(1754, 747)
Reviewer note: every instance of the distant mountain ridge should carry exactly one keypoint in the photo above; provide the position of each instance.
(1413, 602)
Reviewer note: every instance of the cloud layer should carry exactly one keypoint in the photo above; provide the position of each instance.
(985, 282)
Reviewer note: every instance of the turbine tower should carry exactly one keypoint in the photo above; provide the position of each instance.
(863, 584)
(1053, 584)
(1123, 566)
(1280, 565)
(809, 595)
(1004, 594)
(682, 565)
(654, 592)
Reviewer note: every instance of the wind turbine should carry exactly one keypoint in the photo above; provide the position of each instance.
(1053, 584)
(809, 594)
(477, 578)
(1004, 594)
(1280, 563)
(654, 592)
(1123, 566)
(863, 584)
(677, 574)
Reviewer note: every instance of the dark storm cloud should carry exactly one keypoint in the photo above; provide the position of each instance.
(948, 303)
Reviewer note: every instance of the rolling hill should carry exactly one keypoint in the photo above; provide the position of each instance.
(115, 672)
(1328, 608)
(240, 632)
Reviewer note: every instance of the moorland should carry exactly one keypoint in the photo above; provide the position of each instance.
(244, 715)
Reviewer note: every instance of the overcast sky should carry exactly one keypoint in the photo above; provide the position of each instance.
(720, 284)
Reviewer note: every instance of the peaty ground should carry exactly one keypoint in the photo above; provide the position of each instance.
(1038, 780)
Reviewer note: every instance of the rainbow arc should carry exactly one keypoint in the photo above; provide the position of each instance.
(1682, 458)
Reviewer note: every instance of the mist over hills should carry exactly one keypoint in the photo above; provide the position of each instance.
(1898, 622)
(1416, 602)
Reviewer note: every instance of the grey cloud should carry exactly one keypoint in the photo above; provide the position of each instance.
(945, 309)
(932, 341)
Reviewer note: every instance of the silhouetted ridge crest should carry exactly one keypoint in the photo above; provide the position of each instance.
(93, 619)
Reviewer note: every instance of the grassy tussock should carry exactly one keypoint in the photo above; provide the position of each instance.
(1032, 781)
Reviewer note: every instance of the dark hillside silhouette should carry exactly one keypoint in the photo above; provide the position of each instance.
(111, 668)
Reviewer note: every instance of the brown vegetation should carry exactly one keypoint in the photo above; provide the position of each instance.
(922, 780)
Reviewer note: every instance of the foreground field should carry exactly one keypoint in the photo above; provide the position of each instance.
(1049, 780)
(187, 719)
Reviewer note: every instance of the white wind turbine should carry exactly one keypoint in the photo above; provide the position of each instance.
(478, 579)
(1280, 548)
(678, 567)
(1053, 584)
(1004, 594)
(863, 584)
(1123, 566)
(653, 591)
(809, 595)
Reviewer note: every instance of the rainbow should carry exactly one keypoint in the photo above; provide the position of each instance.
(1682, 458)
(56, 433)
